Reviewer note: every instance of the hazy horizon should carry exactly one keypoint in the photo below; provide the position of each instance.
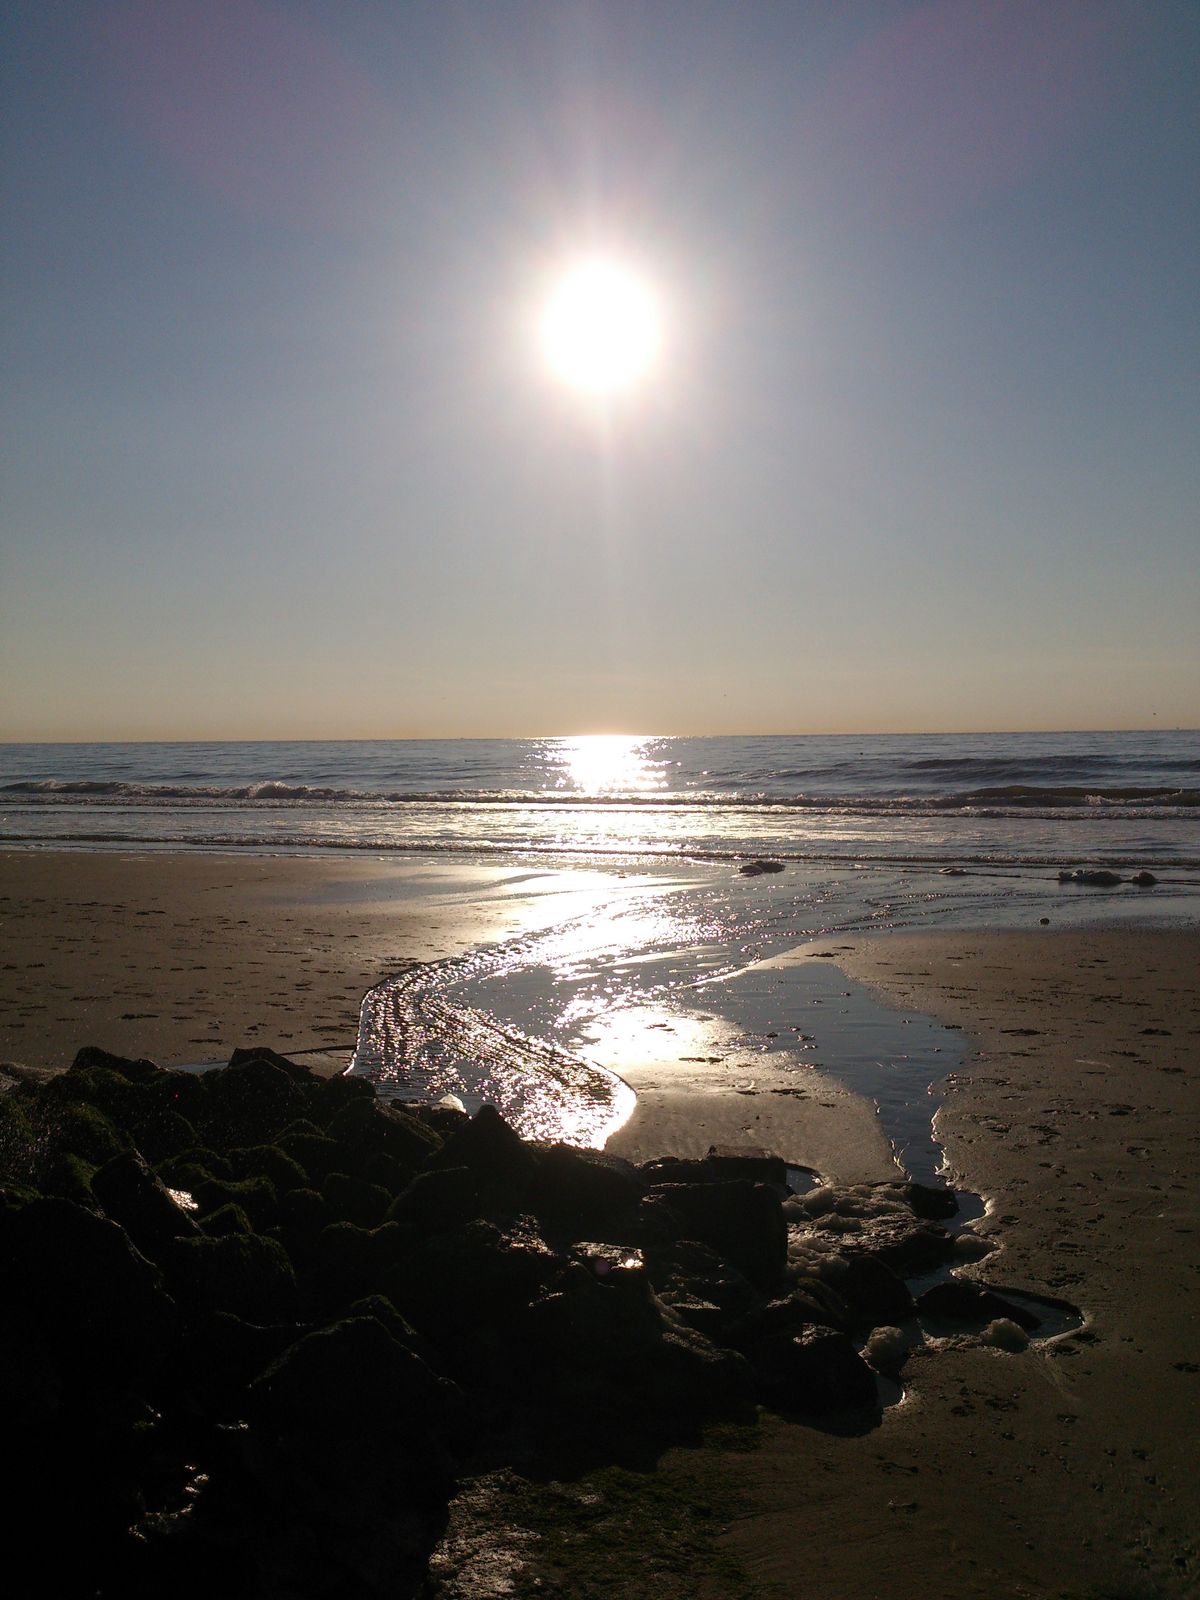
(912, 446)
(612, 733)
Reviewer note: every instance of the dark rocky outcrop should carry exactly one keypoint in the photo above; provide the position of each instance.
(264, 1314)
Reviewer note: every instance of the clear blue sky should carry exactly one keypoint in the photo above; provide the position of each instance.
(282, 458)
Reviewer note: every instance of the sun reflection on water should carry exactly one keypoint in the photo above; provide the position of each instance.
(608, 763)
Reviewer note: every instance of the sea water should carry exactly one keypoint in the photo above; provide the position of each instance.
(983, 799)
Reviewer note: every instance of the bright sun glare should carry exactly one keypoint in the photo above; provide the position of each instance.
(600, 329)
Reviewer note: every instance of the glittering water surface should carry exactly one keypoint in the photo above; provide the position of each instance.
(663, 979)
(985, 798)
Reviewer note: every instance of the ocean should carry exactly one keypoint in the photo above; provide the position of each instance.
(1123, 800)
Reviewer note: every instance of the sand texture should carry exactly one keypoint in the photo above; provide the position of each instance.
(1064, 1471)
(1068, 1470)
(182, 957)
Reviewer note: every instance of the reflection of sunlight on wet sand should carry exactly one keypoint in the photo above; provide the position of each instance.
(700, 1083)
(661, 1047)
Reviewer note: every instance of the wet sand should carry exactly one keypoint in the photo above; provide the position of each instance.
(1067, 1470)
(183, 957)
(1070, 1469)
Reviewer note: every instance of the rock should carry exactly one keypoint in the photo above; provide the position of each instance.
(815, 1372)
(742, 1222)
(163, 1134)
(600, 1320)
(905, 1246)
(447, 1197)
(331, 1095)
(582, 1192)
(682, 1268)
(256, 1197)
(183, 1093)
(134, 1198)
(241, 1273)
(251, 1100)
(364, 1128)
(348, 1261)
(270, 1162)
(96, 1303)
(931, 1202)
(1090, 877)
(140, 1071)
(220, 1354)
(720, 1165)
(226, 1219)
(318, 1155)
(956, 1300)
(80, 1130)
(347, 1476)
(352, 1380)
(1144, 879)
(784, 1318)
(353, 1200)
(260, 1052)
(761, 864)
(703, 1315)
(691, 1377)
(469, 1285)
(870, 1288)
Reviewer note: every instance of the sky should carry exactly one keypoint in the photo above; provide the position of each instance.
(283, 456)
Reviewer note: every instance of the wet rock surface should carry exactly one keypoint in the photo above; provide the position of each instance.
(261, 1320)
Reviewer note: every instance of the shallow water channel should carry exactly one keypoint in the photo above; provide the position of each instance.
(543, 1029)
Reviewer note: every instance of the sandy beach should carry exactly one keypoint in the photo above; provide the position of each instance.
(1066, 1470)
(183, 957)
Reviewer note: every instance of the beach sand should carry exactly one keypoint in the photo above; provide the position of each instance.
(1067, 1470)
(183, 957)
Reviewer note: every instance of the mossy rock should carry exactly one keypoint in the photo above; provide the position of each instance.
(366, 1128)
(186, 1175)
(82, 1130)
(244, 1274)
(250, 1101)
(301, 1125)
(199, 1155)
(304, 1210)
(68, 1177)
(350, 1381)
(318, 1155)
(257, 1197)
(15, 1195)
(331, 1095)
(97, 1086)
(349, 1262)
(387, 1173)
(139, 1071)
(184, 1093)
(226, 1219)
(268, 1161)
(97, 1304)
(353, 1200)
(382, 1309)
(18, 1147)
(163, 1134)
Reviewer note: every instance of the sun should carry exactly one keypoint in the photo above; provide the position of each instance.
(600, 329)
